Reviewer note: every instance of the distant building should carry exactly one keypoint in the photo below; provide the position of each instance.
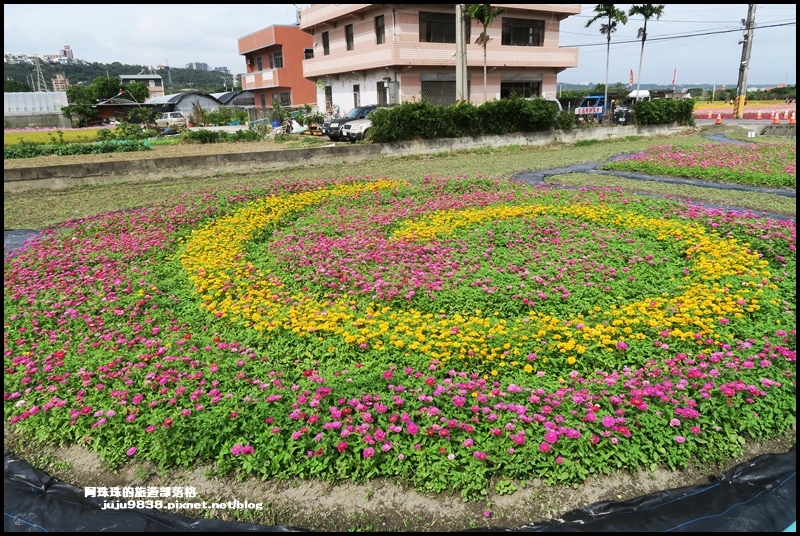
(67, 53)
(223, 70)
(274, 59)
(60, 83)
(154, 82)
(197, 66)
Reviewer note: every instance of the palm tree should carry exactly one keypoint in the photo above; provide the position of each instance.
(613, 16)
(648, 11)
(485, 14)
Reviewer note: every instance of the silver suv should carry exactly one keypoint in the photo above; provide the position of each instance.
(171, 120)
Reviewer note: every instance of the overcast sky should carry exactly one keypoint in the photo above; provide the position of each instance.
(699, 40)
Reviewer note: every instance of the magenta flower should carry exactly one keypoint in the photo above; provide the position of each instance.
(369, 452)
(550, 436)
(544, 447)
(680, 439)
(342, 446)
(480, 455)
(131, 451)
(622, 346)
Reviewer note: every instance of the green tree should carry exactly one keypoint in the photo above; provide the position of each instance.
(13, 86)
(136, 91)
(646, 11)
(612, 16)
(485, 14)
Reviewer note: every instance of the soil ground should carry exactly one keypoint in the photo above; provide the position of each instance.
(381, 505)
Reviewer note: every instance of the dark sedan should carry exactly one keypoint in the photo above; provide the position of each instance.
(333, 128)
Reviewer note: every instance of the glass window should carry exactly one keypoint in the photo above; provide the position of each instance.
(259, 64)
(308, 53)
(348, 36)
(276, 58)
(263, 100)
(523, 32)
(520, 88)
(329, 99)
(326, 43)
(439, 27)
(380, 30)
(286, 98)
(356, 95)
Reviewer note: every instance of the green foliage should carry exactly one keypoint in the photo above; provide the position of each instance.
(223, 116)
(13, 86)
(216, 136)
(422, 120)
(142, 115)
(79, 114)
(664, 111)
(32, 150)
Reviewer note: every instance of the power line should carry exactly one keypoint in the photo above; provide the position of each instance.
(665, 38)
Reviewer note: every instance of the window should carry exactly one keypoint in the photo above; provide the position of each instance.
(326, 43)
(263, 100)
(329, 98)
(356, 95)
(523, 32)
(258, 62)
(308, 53)
(380, 30)
(348, 36)
(520, 88)
(439, 27)
(276, 59)
(286, 98)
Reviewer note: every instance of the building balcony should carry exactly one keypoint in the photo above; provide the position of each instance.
(262, 79)
(436, 55)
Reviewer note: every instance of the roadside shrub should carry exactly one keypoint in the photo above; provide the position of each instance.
(29, 150)
(201, 136)
(664, 111)
(565, 120)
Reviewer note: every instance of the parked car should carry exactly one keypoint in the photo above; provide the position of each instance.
(172, 120)
(356, 130)
(590, 107)
(333, 128)
(623, 112)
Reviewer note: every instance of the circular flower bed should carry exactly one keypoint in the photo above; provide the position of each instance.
(442, 331)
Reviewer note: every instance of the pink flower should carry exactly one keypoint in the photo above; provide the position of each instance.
(550, 436)
(131, 451)
(608, 421)
(680, 439)
(544, 447)
(480, 455)
(342, 446)
(675, 422)
(559, 460)
(369, 452)
(622, 346)
(723, 320)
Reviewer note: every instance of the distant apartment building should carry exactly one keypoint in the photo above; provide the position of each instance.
(391, 53)
(66, 52)
(274, 66)
(223, 70)
(197, 66)
(59, 82)
(154, 82)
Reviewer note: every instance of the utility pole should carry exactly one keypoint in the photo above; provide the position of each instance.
(744, 65)
(461, 56)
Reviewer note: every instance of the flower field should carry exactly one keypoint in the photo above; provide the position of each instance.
(443, 331)
(765, 164)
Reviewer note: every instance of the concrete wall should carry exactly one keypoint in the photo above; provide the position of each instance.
(70, 175)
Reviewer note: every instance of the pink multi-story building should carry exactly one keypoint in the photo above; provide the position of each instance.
(274, 58)
(390, 53)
